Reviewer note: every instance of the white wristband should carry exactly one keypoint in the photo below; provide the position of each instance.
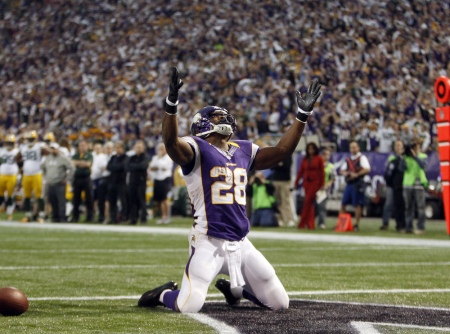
(304, 112)
(300, 120)
(170, 103)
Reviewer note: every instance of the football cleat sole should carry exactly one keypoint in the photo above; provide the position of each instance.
(224, 286)
(151, 297)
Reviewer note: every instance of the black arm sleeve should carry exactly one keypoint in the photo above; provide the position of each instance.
(187, 169)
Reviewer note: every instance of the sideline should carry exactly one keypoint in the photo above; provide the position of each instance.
(361, 240)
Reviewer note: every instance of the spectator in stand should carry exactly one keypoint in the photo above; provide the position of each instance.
(96, 170)
(137, 166)
(425, 137)
(117, 189)
(274, 121)
(263, 201)
(161, 170)
(394, 189)
(103, 184)
(406, 136)
(414, 185)
(313, 174)
(386, 134)
(330, 177)
(261, 124)
(104, 78)
(82, 182)
(354, 170)
(57, 170)
(281, 181)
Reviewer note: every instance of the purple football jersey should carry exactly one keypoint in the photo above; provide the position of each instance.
(216, 185)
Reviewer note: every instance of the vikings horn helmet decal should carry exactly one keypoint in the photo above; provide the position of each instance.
(202, 126)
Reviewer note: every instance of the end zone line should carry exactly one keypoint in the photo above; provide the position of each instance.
(290, 293)
(431, 308)
(269, 235)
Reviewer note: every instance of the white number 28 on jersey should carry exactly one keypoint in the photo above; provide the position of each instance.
(239, 175)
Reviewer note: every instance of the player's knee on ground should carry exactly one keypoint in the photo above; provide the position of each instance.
(193, 304)
(264, 282)
(277, 298)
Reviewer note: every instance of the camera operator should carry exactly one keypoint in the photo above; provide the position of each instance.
(263, 201)
(414, 184)
(394, 190)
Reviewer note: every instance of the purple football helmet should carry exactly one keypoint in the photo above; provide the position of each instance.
(202, 126)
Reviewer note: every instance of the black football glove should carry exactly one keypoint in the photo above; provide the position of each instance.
(174, 87)
(306, 104)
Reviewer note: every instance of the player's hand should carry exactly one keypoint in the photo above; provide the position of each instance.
(175, 85)
(306, 103)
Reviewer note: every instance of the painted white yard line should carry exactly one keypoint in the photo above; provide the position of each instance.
(154, 250)
(345, 292)
(285, 265)
(368, 327)
(290, 293)
(364, 327)
(270, 235)
(112, 266)
(219, 326)
(169, 250)
(93, 239)
(86, 298)
(356, 264)
(344, 248)
(100, 228)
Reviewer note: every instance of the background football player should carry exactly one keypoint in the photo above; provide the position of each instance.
(31, 153)
(215, 171)
(8, 173)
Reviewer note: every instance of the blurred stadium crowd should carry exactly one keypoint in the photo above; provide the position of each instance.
(97, 71)
(98, 68)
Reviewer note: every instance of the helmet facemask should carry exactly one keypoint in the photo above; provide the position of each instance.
(203, 126)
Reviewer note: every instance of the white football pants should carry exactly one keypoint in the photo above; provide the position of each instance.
(208, 259)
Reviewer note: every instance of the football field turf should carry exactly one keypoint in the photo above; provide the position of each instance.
(88, 281)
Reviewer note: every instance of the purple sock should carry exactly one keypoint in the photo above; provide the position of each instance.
(246, 295)
(170, 297)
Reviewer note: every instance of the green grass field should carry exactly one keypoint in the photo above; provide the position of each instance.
(46, 263)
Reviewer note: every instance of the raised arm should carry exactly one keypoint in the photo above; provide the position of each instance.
(270, 156)
(177, 148)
